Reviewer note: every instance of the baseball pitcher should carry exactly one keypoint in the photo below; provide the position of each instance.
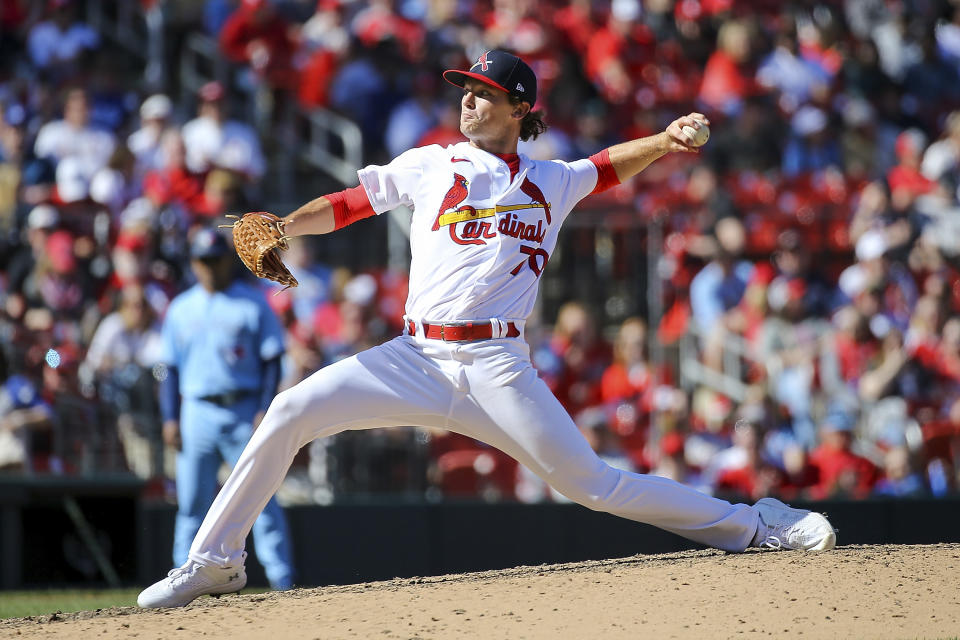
(485, 224)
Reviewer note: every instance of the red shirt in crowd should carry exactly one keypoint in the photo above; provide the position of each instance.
(619, 383)
(255, 25)
(610, 48)
(633, 386)
(909, 179)
(854, 356)
(750, 481)
(576, 382)
(180, 186)
(313, 89)
(841, 471)
(575, 25)
(724, 82)
(380, 23)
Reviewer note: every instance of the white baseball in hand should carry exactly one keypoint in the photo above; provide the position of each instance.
(698, 136)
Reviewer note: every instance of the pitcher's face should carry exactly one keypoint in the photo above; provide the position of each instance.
(486, 113)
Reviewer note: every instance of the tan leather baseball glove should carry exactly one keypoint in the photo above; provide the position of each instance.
(258, 238)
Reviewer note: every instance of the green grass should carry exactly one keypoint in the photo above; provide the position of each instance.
(17, 604)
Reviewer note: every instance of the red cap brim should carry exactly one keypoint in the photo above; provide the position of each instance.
(457, 78)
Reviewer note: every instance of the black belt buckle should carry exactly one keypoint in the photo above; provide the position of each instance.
(224, 399)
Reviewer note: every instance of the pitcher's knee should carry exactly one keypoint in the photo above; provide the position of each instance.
(285, 413)
(593, 501)
(595, 491)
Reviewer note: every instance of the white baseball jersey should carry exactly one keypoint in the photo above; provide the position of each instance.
(479, 240)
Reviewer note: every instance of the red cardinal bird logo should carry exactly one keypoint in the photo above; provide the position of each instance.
(456, 195)
(483, 62)
(536, 195)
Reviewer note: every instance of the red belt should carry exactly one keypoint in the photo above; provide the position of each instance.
(461, 331)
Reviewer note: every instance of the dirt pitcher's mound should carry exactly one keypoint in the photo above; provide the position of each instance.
(852, 592)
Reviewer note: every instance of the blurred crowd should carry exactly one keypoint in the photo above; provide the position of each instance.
(809, 260)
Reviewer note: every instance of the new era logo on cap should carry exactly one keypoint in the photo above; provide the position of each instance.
(501, 70)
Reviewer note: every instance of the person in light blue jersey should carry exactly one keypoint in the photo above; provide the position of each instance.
(222, 347)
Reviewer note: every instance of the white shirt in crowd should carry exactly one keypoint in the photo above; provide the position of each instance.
(113, 340)
(112, 189)
(144, 144)
(79, 153)
(60, 139)
(231, 145)
(939, 158)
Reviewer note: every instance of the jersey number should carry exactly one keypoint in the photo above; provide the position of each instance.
(533, 260)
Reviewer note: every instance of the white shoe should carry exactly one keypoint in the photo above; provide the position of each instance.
(783, 527)
(184, 584)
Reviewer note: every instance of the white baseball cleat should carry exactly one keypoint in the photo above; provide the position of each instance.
(783, 527)
(184, 584)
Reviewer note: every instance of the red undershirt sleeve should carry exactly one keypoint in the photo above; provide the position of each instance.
(606, 174)
(349, 206)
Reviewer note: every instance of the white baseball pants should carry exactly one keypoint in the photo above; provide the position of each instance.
(486, 390)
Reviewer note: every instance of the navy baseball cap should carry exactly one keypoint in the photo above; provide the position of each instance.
(502, 70)
(208, 243)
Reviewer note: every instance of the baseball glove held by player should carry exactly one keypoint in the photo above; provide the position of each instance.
(258, 238)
